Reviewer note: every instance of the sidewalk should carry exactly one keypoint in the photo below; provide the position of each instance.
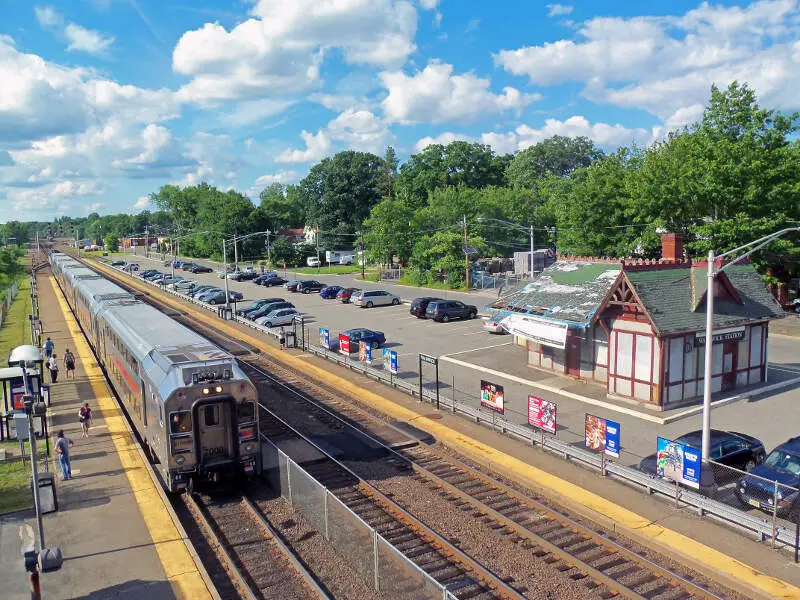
(114, 531)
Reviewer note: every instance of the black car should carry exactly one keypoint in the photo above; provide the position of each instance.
(147, 273)
(365, 335)
(202, 269)
(269, 280)
(118, 263)
(153, 275)
(420, 305)
(188, 266)
(219, 297)
(309, 286)
(728, 448)
(782, 466)
(444, 310)
(243, 275)
(201, 289)
(245, 312)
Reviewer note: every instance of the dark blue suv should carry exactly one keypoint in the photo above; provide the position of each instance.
(782, 466)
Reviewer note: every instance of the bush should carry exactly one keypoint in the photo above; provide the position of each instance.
(454, 280)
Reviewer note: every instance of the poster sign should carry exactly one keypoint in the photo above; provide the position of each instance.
(18, 393)
(678, 462)
(324, 338)
(344, 343)
(542, 414)
(492, 396)
(365, 352)
(602, 435)
(390, 360)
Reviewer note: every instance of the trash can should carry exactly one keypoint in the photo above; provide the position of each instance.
(48, 501)
(290, 339)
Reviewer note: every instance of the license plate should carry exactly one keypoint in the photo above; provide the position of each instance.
(755, 503)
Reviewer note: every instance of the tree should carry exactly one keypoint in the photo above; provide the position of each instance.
(281, 210)
(112, 242)
(557, 155)
(443, 252)
(388, 173)
(15, 232)
(389, 232)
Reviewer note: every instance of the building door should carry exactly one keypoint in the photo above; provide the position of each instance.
(729, 360)
(574, 355)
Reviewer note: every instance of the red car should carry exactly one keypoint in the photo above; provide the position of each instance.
(345, 293)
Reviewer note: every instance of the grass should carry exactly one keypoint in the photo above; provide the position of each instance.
(15, 479)
(16, 329)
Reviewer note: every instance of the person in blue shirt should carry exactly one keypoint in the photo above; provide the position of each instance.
(48, 348)
(63, 444)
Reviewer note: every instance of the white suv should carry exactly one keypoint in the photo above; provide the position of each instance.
(370, 298)
(313, 261)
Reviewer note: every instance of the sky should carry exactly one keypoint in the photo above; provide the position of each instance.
(104, 101)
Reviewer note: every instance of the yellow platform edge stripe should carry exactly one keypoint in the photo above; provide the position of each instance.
(733, 569)
(178, 563)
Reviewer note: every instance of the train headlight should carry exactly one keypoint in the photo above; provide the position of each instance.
(218, 389)
(205, 391)
(180, 460)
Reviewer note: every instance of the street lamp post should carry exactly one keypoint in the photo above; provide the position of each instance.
(709, 355)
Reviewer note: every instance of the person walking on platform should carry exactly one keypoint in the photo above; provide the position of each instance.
(52, 364)
(282, 338)
(69, 363)
(85, 417)
(48, 348)
(63, 444)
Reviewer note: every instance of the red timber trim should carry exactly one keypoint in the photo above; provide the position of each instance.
(127, 376)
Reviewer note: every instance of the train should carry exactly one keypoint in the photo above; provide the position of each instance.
(191, 404)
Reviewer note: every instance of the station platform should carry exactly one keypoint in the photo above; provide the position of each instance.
(744, 564)
(116, 530)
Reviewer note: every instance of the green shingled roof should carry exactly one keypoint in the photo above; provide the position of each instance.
(670, 296)
(567, 291)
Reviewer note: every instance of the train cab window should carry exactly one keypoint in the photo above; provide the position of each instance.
(211, 415)
(246, 412)
(180, 422)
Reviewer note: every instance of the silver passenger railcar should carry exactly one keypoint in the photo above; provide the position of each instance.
(187, 398)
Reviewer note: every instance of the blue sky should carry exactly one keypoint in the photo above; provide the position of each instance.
(104, 101)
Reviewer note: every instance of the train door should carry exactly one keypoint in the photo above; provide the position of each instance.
(213, 421)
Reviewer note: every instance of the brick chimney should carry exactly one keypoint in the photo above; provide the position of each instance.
(672, 247)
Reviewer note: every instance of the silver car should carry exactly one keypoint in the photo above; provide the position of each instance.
(370, 298)
(282, 316)
(492, 325)
(183, 285)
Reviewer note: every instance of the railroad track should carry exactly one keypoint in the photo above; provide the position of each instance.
(604, 564)
(258, 563)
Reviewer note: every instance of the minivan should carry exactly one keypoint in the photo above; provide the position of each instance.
(370, 298)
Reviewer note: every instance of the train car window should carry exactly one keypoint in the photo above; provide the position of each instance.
(246, 412)
(180, 422)
(211, 415)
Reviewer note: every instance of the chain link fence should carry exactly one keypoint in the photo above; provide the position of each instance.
(483, 280)
(7, 297)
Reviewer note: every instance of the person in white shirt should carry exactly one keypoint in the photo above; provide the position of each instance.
(52, 364)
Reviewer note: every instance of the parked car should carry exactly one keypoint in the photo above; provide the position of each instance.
(365, 335)
(256, 305)
(131, 267)
(116, 263)
(313, 261)
(758, 488)
(176, 263)
(153, 275)
(330, 291)
(169, 280)
(207, 293)
(147, 273)
(445, 310)
(195, 293)
(201, 269)
(345, 294)
(184, 285)
(158, 278)
(309, 286)
(729, 448)
(291, 285)
(419, 305)
(243, 275)
(269, 280)
(187, 266)
(370, 298)
(282, 316)
(219, 297)
(268, 308)
(492, 325)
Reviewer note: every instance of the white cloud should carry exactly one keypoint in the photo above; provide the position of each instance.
(360, 130)
(279, 50)
(142, 203)
(666, 65)
(429, 4)
(317, 147)
(216, 161)
(279, 177)
(87, 40)
(557, 10)
(48, 17)
(443, 139)
(436, 95)
(248, 113)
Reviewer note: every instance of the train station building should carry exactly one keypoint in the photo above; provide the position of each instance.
(637, 327)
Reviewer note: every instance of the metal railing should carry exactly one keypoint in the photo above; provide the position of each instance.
(483, 280)
(719, 502)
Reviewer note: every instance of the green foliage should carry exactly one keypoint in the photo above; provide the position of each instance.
(389, 232)
(112, 242)
(14, 232)
(443, 252)
(557, 155)
(281, 207)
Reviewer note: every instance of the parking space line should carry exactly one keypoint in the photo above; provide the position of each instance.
(476, 349)
(476, 332)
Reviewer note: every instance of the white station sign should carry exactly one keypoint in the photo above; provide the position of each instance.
(537, 330)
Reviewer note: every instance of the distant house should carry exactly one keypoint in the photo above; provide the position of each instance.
(293, 235)
(638, 328)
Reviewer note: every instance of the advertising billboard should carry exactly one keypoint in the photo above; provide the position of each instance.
(365, 352)
(344, 344)
(492, 396)
(542, 414)
(602, 435)
(324, 338)
(678, 462)
(390, 360)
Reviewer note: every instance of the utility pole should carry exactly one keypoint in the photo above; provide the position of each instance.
(316, 236)
(362, 255)
(532, 252)
(146, 242)
(466, 256)
(269, 249)
(225, 272)
(235, 252)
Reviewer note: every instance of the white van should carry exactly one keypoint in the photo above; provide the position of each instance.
(313, 261)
